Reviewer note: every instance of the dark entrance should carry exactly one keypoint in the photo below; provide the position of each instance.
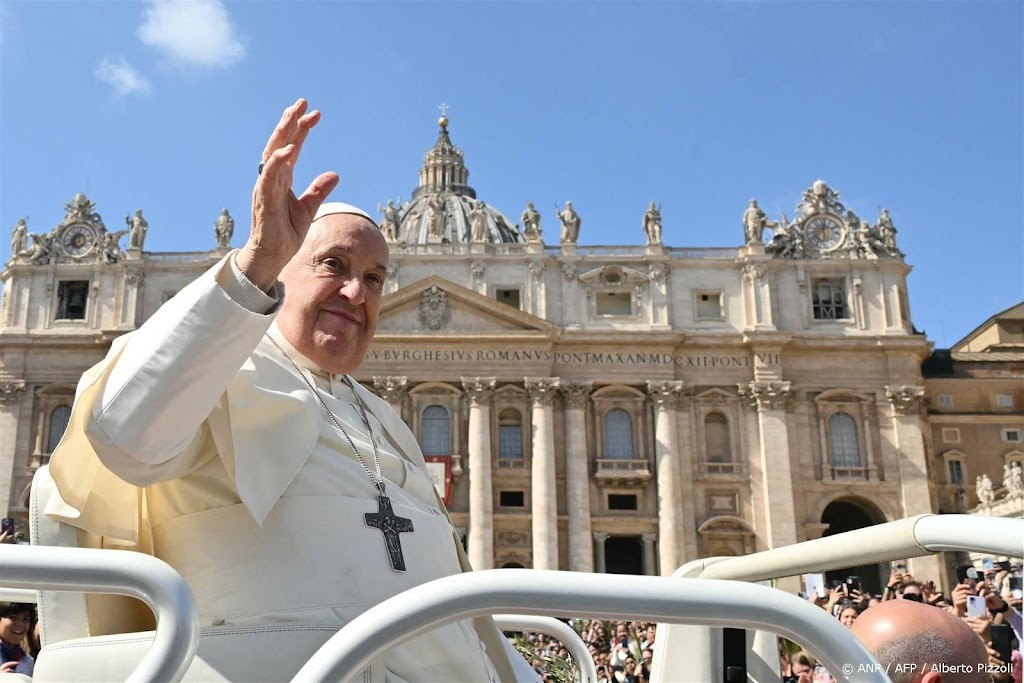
(623, 555)
(845, 515)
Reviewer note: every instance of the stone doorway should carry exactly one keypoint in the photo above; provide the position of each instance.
(849, 515)
(624, 555)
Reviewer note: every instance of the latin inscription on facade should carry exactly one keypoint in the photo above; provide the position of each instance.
(568, 357)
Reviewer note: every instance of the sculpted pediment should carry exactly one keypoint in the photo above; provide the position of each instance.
(437, 306)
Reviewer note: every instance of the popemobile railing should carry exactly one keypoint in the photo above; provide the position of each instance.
(918, 536)
(440, 602)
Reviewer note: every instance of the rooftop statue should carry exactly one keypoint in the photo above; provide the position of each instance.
(531, 223)
(389, 221)
(652, 224)
(478, 222)
(137, 228)
(887, 233)
(570, 224)
(986, 495)
(224, 228)
(19, 237)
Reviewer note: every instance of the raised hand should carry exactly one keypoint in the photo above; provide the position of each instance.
(280, 219)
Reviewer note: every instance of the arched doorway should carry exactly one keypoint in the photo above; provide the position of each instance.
(847, 515)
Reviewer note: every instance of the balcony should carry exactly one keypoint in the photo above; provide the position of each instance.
(513, 464)
(618, 472)
(847, 475)
(721, 470)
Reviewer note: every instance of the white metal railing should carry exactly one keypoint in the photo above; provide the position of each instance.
(595, 596)
(553, 627)
(121, 572)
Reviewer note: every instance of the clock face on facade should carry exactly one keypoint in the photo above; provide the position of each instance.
(78, 240)
(823, 232)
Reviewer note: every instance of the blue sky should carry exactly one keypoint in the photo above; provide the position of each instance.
(914, 106)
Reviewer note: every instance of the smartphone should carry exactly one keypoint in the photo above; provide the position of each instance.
(852, 583)
(976, 606)
(821, 675)
(901, 567)
(1004, 565)
(966, 573)
(7, 525)
(1002, 634)
(1015, 587)
(988, 564)
(815, 583)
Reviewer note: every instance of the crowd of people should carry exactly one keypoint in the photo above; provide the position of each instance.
(622, 650)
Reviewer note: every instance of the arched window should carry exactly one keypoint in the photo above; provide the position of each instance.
(58, 423)
(510, 434)
(618, 435)
(437, 431)
(716, 438)
(842, 432)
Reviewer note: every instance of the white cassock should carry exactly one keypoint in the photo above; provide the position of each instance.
(195, 439)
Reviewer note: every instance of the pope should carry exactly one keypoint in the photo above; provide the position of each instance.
(227, 437)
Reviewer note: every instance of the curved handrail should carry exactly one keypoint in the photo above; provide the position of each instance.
(902, 539)
(553, 627)
(18, 595)
(125, 573)
(596, 596)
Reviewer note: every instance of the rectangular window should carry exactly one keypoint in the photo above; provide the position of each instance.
(614, 303)
(621, 501)
(829, 300)
(945, 400)
(1012, 435)
(510, 441)
(511, 499)
(950, 435)
(709, 306)
(509, 297)
(72, 296)
(956, 472)
(1004, 400)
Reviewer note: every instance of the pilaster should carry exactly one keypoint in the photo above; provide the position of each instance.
(11, 393)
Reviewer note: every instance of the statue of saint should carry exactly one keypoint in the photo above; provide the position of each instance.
(224, 228)
(570, 224)
(754, 221)
(478, 222)
(435, 216)
(137, 227)
(652, 224)
(531, 223)
(389, 221)
(39, 252)
(887, 232)
(867, 241)
(109, 243)
(1015, 485)
(986, 495)
(19, 237)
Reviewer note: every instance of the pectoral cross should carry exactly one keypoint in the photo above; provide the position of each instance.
(390, 525)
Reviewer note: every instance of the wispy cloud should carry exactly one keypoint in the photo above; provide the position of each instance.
(192, 32)
(122, 76)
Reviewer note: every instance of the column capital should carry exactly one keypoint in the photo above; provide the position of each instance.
(753, 272)
(391, 389)
(666, 394)
(600, 536)
(575, 394)
(767, 395)
(479, 389)
(134, 276)
(905, 400)
(649, 538)
(11, 391)
(541, 389)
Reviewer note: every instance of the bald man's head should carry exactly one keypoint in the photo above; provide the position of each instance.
(907, 632)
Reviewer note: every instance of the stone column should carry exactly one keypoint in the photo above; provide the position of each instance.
(911, 462)
(10, 405)
(649, 567)
(665, 396)
(577, 476)
(771, 399)
(599, 538)
(133, 279)
(545, 507)
(392, 390)
(481, 498)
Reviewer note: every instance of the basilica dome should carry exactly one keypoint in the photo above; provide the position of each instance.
(444, 209)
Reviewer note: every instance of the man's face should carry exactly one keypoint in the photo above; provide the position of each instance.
(333, 291)
(14, 627)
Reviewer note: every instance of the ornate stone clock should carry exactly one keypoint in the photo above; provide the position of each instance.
(824, 232)
(78, 239)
